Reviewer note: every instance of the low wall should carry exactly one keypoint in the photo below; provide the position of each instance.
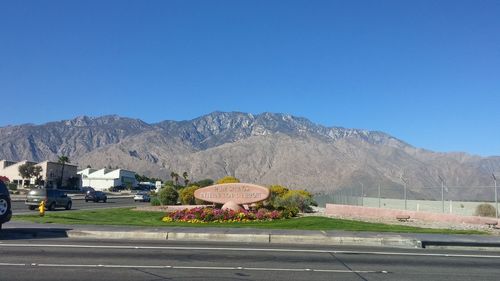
(377, 213)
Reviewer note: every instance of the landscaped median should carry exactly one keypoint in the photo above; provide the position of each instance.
(130, 217)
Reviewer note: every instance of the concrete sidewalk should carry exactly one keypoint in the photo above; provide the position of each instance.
(26, 230)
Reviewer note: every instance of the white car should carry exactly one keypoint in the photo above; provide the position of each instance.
(142, 196)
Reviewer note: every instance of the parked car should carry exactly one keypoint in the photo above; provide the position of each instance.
(142, 196)
(53, 198)
(5, 204)
(95, 196)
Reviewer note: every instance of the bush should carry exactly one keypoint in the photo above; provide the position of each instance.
(155, 201)
(205, 182)
(168, 196)
(228, 179)
(294, 201)
(12, 186)
(485, 210)
(187, 195)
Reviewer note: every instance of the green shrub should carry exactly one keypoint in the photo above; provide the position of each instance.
(155, 201)
(12, 186)
(485, 210)
(168, 196)
(294, 201)
(228, 179)
(186, 196)
(205, 182)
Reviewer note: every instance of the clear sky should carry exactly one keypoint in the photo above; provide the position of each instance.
(426, 71)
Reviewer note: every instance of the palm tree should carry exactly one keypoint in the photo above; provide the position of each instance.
(62, 160)
(175, 177)
(185, 176)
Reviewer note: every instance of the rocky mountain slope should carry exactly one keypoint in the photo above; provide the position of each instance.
(265, 149)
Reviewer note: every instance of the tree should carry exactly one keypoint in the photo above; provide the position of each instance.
(37, 174)
(62, 160)
(205, 182)
(228, 179)
(29, 171)
(186, 180)
(175, 177)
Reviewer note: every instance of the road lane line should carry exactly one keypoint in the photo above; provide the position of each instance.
(12, 264)
(191, 267)
(248, 250)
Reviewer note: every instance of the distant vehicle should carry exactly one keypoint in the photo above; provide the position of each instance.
(53, 198)
(142, 197)
(5, 206)
(87, 188)
(117, 188)
(95, 196)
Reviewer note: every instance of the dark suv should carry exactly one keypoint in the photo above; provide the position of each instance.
(53, 198)
(5, 206)
(95, 196)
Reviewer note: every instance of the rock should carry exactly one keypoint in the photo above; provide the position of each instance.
(232, 206)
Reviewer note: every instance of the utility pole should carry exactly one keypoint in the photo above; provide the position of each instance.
(379, 195)
(405, 181)
(362, 193)
(496, 195)
(442, 191)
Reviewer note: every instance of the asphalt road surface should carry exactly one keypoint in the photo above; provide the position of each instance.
(80, 204)
(74, 259)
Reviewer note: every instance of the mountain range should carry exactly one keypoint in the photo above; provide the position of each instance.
(268, 148)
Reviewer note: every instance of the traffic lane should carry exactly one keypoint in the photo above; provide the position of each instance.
(80, 204)
(213, 261)
(171, 264)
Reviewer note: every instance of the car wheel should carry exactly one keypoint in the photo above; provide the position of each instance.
(86, 200)
(105, 199)
(31, 207)
(4, 206)
(68, 206)
(52, 206)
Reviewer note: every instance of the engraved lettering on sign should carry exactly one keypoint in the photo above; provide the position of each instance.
(240, 193)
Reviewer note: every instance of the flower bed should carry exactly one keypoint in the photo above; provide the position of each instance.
(206, 215)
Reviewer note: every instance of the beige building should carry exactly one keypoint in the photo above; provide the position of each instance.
(51, 173)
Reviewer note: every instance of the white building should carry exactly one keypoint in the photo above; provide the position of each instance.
(103, 179)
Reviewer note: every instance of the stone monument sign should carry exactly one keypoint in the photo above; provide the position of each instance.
(239, 193)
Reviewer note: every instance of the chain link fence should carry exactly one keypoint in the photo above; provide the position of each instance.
(459, 200)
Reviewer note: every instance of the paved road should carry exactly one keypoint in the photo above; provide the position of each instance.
(74, 259)
(79, 204)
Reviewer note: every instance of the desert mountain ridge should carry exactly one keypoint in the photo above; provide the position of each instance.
(267, 148)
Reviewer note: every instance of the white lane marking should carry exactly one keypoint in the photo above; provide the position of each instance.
(190, 267)
(12, 264)
(248, 250)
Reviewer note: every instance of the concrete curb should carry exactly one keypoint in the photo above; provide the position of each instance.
(398, 242)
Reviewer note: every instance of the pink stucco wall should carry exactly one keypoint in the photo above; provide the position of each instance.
(374, 213)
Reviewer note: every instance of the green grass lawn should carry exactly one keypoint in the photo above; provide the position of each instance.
(153, 219)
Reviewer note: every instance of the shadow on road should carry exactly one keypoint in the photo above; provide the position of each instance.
(31, 233)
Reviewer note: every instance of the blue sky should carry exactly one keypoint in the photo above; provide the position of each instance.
(426, 72)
